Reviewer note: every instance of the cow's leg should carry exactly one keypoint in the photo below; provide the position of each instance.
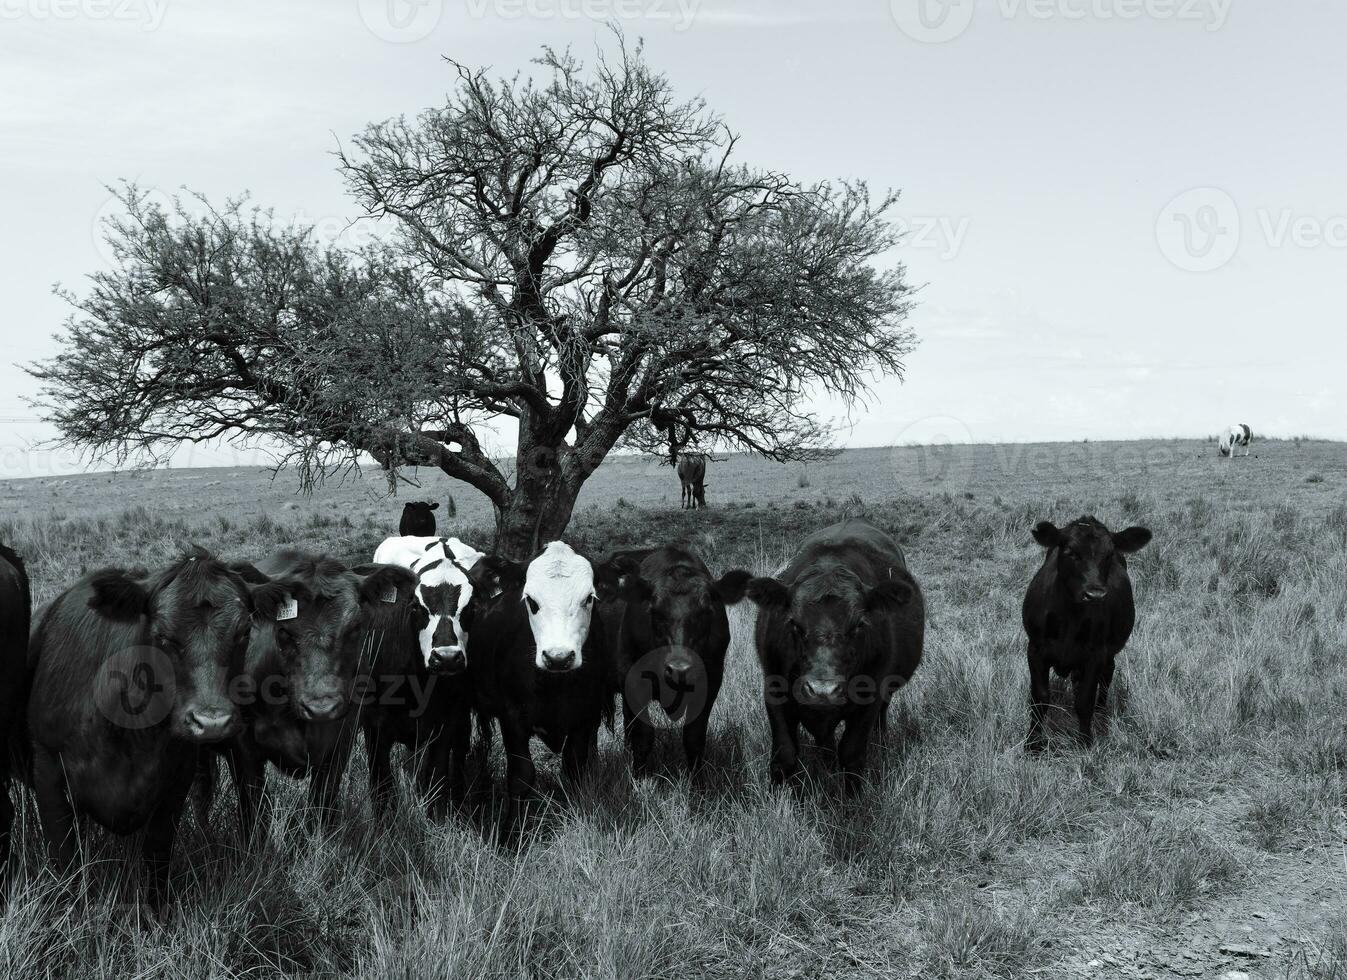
(55, 811)
(694, 729)
(575, 753)
(6, 830)
(325, 784)
(784, 724)
(519, 774)
(160, 832)
(854, 747)
(1040, 694)
(1087, 689)
(639, 735)
(378, 755)
(1104, 682)
(457, 739)
(248, 771)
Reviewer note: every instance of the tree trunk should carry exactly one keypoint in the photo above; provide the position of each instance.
(539, 507)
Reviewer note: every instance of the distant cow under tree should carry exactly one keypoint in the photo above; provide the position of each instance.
(417, 517)
(668, 633)
(1235, 436)
(1078, 614)
(16, 607)
(692, 476)
(130, 675)
(840, 631)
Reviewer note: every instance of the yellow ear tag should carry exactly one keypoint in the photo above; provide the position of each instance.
(288, 609)
(390, 594)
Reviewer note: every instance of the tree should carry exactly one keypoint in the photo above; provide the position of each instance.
(582, 257)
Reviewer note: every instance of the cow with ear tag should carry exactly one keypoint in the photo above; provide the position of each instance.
(416, 701)
(1078, 614)
(839, 631)
(306, 677)
(541, 667)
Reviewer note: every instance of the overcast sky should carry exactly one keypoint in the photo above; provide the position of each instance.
(1130, 216)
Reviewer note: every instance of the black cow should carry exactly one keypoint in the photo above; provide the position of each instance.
(540, 669)
(307, 660)
(16, 610)
(841, 629)
(417, 518)
(692, 476)
(428, 711)
(1078, 614)
(668, 633)
(130, 675)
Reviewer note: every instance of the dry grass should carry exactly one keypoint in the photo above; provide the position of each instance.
(1226, 748)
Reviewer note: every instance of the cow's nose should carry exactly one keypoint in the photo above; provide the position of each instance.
(1094, 593)
(558, 659)
(821, 689)
(322, 707)
(677, 671)
(447, 660)
(206, 725)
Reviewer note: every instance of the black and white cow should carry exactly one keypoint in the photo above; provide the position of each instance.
(443, 589)
(1235, 436)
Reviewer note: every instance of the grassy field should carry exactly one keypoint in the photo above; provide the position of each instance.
(1202, 836)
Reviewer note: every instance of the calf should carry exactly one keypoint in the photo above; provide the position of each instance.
(668, 632)
(307, 660)
(692, 477)
(420, 698)
(1078, 614)
(417, 517)
(130, 675)
(840, 630)
(16, 608)
(540, 669)
(1235, 436)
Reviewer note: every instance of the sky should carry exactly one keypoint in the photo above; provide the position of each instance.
(1127, 218)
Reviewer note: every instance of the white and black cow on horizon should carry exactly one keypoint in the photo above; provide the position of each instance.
(1235, 436)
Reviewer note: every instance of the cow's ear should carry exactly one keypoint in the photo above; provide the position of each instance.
(1132, 539)
(247, 571)
(888, 595)
(491, 575)
(620, 578)
(767, 593)
(435, 505)
(730, 587)
(1047, 534)
(268, 598)
(386, 583)
(117, 596)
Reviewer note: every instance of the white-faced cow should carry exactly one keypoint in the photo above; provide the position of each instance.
(840, 631)
(541, 668)
(1238, 435)
(1078, 614)
(692, 477)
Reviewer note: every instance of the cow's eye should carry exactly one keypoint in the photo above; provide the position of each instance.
(588, 601)
(533, 606)
(797, 629)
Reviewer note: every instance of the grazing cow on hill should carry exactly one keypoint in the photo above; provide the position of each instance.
(417, 517)
(1234, 437)
(840, 631)
(541, 668)
(422, 680)
(16, 609)
(668, 632)
(1078, 614)
(692, 476)
(307, 661)
(130, 675)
